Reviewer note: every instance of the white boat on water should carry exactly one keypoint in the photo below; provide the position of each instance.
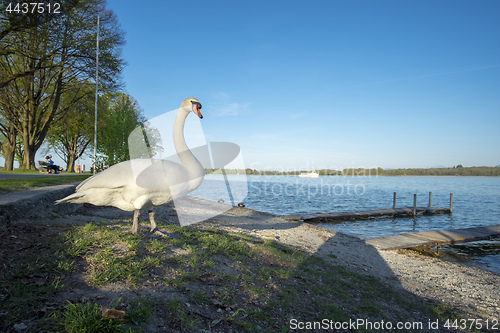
(312, 174)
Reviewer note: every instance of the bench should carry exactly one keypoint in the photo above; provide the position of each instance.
(43, 167)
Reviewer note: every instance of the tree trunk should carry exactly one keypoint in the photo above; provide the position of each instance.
(9, 148)
(9, 158)
(29, 157)
(70, 166)
(70, 163)
(28, 108)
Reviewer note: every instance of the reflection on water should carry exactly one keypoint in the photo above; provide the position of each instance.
(483, 254)
(380, 227)
(478, 249)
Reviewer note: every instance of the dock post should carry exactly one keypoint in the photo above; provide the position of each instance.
(394, 201)
(430, 199)
(414, 205)
(451, 203)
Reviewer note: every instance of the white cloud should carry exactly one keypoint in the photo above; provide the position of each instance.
(223, 106)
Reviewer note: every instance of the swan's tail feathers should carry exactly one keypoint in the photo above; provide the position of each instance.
(71, 198)
(84, 182)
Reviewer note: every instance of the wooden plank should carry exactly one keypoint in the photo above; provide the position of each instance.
(366, 214)
(451, 235)
(396, 242)
(432, 238)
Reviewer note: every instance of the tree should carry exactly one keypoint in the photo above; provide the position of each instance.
(8, 136)
(145, 142)
(13, 22)
(71, 136)
(10, 126)
(51, 57)
(121, 117)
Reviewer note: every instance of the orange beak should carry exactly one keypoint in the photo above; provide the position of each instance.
(197, 111)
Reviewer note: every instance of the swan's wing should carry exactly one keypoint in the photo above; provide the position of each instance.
(119, 175)
(146, 173)
(161, 174)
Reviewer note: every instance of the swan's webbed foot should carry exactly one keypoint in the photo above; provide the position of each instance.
(156, 231)
(154, 228)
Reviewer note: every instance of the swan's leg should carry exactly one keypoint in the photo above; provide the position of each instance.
(152, 220)
(135, 222)
(154, 228)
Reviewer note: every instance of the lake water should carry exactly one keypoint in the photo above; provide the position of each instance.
(476, 202)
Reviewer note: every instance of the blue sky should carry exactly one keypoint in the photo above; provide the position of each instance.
(325, 84)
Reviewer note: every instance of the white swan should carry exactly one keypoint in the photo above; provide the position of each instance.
(144, 183)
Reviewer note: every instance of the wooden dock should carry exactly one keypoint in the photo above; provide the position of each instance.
(424, 239)
(368, 214)
(435, 238)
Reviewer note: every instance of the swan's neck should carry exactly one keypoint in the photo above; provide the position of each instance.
(188, 160)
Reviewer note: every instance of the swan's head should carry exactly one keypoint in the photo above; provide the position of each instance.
(192, 104)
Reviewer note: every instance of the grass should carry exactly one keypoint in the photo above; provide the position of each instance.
(29, 280)
(21, 184)
(27, 171)
(19, 171)
(200, 280)
(89, 317)
(140, 310)
(86, 317)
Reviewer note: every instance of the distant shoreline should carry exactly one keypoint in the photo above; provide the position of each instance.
(354, 175)
(457, 171)
(373, 176)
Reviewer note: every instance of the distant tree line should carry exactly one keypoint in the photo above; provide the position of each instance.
(47, 85)
(454, 171)
(458, 170)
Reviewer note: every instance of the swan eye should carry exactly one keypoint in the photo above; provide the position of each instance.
(198, 104)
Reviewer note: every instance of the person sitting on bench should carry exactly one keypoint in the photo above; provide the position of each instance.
(50, 164)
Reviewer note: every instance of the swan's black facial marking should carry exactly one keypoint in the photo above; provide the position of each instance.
(196, 107)
(198, 104)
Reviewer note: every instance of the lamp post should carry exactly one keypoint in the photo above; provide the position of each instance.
(96, 86)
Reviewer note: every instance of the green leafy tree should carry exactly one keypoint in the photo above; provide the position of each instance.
(116, 121)
(145, 142)
(13, 23)
(45, 57)
(72, 135)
